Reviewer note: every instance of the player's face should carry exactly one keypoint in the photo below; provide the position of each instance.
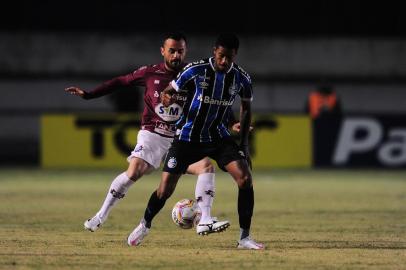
(174, 52)
(223, 58)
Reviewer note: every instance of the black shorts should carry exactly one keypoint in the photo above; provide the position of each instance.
(181, 154)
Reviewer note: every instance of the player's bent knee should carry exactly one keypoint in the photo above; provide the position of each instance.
(134, 174)
(201, 167)
(208, 168)
(245, 181)
(137, 169)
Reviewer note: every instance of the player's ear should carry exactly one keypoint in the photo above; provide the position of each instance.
(214, 50)
(162, 51)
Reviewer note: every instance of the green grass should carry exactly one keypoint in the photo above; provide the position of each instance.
(307, 219)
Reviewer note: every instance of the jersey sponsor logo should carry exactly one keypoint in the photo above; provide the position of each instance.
(181, 98)
(204, 78)
(169, 114)
(164, 128)
(172, 162)
(212, 101)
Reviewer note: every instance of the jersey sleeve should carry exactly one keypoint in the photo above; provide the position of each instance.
(108, 87)
(137, 77)
(246, 92)
(188, 73)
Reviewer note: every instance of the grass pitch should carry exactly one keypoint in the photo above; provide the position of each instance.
(307, 220)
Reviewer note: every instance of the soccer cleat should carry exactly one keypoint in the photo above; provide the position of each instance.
(249, 243)
(215, 226)
(92, 224)
(136, 237)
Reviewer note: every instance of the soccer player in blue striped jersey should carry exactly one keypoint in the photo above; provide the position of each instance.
(211, 86)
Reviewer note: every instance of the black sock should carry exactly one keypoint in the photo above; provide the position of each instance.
(154, 206)
(245, 208)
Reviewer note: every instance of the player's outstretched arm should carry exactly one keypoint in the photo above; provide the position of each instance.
(108, 87)
(75, 91)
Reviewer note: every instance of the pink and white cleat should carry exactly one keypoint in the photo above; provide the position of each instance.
(137, 235)
(249, 243)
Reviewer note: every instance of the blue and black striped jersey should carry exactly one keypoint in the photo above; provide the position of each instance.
(210, 95)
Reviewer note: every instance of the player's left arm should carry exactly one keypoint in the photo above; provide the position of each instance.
(234, 124)
(245, 123)
(246, 94)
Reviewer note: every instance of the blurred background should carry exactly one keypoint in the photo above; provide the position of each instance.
(329, 77)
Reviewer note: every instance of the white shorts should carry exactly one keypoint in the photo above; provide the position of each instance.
(151, 147)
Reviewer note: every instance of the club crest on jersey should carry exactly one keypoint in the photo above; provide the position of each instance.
(156, 94)
(169, 114)
(172, 162)
(233, 89)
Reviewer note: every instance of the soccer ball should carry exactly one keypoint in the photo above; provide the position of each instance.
(186, 213)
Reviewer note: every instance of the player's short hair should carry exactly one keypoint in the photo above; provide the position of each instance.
(227, 40)
(176, 35)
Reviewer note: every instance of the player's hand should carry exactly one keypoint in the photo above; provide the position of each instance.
(75, 91)
(167, 99)
(246, 151)
(237, 127)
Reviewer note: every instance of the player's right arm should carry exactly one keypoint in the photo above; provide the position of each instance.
(73, 90)
(108, 87)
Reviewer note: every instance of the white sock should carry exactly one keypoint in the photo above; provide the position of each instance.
(117, 190)
(205, 190)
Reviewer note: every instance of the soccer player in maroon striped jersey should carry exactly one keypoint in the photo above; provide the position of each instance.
(156, 134)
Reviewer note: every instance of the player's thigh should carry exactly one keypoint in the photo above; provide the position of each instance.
(226, 151)
(180, 155)
(202, 166)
